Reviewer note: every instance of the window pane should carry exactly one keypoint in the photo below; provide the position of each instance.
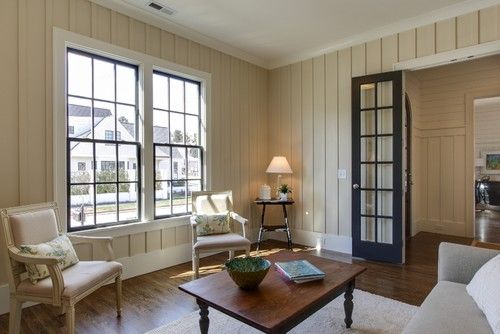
(192, 98)
(384, 94)
(106, 207)
(104, 120)
(106, 162)
(368, 122)
(367, 202)
(385, 230)
(178, 163)
(160, 91)
(81, 205)
(384, 179)
(177, 128)
(163, 196)
(162, 163)
(80, 117)
(384, 203)
(179, 197)
(176, 95)
(79, 75)
(81, 162)
(192, 130)
(384, 121)
(367, 229)
(160, 127)
(384, 148)
(367, 96)
(126, 122)
(194, 163)
(367, 149)
(125, 84)
(104, 80)
(128, 201)
(127, 157)
(192, 186)
(368, 176)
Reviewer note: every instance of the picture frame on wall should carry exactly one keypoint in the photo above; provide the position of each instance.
(491, 162)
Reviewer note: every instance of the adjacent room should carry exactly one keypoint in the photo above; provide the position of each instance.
(261, 167)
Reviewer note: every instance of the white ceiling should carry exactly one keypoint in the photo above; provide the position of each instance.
(276, 32)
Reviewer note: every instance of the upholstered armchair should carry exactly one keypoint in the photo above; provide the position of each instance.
(209, 203)
(35, 224)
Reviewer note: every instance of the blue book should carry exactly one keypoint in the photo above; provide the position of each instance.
(299, 270)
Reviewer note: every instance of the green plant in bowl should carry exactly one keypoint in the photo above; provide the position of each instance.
(247, 272)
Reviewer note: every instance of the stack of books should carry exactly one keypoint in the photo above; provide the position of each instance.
(299, 271)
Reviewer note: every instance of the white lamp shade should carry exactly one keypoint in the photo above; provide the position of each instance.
(279, 165)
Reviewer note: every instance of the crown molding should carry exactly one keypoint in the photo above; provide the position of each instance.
(387, 30)
(143, 15)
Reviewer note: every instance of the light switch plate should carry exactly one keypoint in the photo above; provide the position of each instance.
(342, 174)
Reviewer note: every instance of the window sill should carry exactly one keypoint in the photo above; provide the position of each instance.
(139, 227)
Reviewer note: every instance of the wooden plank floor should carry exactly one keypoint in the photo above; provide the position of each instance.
(153, 299)
(488, 226)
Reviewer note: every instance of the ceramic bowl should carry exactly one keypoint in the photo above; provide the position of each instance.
(247, 272)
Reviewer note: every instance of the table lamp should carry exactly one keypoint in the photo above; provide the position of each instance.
(279, 165)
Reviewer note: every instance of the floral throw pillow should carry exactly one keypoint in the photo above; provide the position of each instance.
(212, 224)
(60, 246)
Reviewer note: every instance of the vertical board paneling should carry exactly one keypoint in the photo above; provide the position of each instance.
(137, 243)
(49, 191)
(459, 179)
(446, 180)
(167, 237)
(119, 29)
(182, 235)
(434, 179)
(467, 29)
(9, 121)
(194, 55)
(215, 65)
(137, 36)
(80, 19)
(167, 46)
(226, 120)
(60, 15)
(331, 138)
(153, 41)
(181, 50)
(319, 142)
(101, 23)
(233, 150)
(489, 24)
(446, 35)
(244, 158)
(153, 240)
(358, 60)
(389, 52)
(121, 246)
(307, 145)
(344, 150)
(426, 41)
(374, 56)
(284, 130)
(296, 131)
(407, 45)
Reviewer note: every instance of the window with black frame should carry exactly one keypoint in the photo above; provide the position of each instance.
(178, 154)
(103, 148)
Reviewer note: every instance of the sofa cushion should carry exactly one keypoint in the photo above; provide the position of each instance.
(485, 290)
(448, 309)
(77, 279)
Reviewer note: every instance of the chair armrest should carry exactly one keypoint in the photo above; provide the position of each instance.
(194, 234)
(52, 265)
(241, 220)
(104, 242)
(459, 263)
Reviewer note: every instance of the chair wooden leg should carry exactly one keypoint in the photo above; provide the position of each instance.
(196, 264)
(70, 319)
(231, 254)
(118, 284)
(15, 315)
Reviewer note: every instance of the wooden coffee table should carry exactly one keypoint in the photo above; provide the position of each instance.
(277, 305)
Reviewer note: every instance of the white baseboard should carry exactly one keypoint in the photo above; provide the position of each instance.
(337, 243)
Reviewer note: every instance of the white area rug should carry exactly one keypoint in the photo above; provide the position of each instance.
(372, 314)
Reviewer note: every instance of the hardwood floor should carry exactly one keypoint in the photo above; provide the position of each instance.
(152, 300)
(488, 226)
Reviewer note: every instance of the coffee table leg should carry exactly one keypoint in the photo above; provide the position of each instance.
(204, 321)
(348, 304)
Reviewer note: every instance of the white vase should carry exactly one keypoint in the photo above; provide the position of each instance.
(283, 196)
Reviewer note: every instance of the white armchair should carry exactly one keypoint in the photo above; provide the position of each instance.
(34, 224)
(210, 202)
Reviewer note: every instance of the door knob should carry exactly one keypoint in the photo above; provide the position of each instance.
(355, 186)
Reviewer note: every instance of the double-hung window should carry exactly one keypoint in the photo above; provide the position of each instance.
(177, 150)
(102, 134)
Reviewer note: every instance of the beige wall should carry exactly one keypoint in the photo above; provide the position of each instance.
(441, 131)
(239, 110)
(310, 109)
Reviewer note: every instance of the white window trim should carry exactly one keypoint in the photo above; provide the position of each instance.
(63, 39)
